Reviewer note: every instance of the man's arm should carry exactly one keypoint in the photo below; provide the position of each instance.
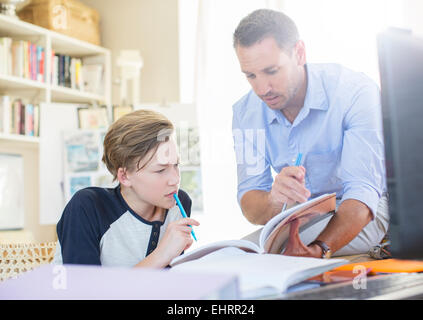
(352, 216)
(256, 207)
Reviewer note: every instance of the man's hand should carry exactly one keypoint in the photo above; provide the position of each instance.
(295, 247)
(289, 187)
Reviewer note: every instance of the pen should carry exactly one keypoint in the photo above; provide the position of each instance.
(297, 163)
(184, 214)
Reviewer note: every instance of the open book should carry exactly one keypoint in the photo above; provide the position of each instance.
(259, 275)
(274, 235)
(264, 275)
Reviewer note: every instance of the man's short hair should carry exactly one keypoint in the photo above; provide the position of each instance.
(264, 23)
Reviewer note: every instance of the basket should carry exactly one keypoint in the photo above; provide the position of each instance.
(18, 258)
(69, 17)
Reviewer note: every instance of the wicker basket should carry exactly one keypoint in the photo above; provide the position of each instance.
(18, 258)
(69, 17)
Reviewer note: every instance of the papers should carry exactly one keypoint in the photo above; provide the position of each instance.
(259, 271)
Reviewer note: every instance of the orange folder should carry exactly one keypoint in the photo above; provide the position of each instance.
(386, 266)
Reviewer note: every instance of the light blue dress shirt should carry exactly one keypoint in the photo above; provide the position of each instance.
(338, 131)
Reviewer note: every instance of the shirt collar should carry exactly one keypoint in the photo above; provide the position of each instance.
(315, 96)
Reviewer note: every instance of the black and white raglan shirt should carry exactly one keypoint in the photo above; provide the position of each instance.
(98, 227)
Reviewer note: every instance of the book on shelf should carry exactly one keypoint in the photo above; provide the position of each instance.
(93, 74)
(5, 115)
(66, 72)
(27, 60)
(5, 55)
(18, 118)
(22, 59)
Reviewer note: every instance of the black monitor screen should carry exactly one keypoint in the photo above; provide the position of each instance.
(401, 74)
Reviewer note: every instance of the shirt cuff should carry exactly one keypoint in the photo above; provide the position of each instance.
(366, 194)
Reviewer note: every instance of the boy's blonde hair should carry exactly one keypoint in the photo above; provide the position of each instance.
(131, 137)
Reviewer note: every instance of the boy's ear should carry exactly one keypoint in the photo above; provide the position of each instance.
(122, 177)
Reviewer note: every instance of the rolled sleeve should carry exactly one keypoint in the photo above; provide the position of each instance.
(362, 161)
(253, 169)
(364, 193)
(248, 182)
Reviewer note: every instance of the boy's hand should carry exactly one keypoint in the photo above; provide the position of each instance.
(176, 239)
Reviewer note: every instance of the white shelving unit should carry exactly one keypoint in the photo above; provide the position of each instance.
(19, 138)
(39, 92)
(43, 93)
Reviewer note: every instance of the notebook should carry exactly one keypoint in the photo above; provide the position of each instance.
(259, 275)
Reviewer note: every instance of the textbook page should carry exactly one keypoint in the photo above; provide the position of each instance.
(243, 245)
(272, 223)
(258, 271)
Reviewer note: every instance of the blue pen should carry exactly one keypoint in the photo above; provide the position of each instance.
(297, 163)
(184, 214)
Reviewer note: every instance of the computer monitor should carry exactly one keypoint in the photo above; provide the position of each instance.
(401, 74)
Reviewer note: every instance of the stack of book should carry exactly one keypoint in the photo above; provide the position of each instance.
(67, 71)
(22, 59)
(19, 118)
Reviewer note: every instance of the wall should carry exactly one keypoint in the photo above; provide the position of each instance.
(32, 231)
(413, 11)
(150, 26)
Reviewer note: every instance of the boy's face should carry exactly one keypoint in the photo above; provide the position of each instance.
(158, 179)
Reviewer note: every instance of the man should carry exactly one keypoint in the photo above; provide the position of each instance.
(328, 113)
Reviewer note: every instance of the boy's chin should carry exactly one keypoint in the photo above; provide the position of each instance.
(167, 203)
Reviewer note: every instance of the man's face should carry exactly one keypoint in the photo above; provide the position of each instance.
(274, 74)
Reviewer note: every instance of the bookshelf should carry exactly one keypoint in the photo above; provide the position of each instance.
(46, 91)
(19, 138)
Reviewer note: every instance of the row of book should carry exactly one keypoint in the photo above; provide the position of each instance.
(19, 118)
(24, 59)
(67, 71)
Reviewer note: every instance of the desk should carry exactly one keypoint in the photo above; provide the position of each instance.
(393, 286)
(77, 282)
(356, 258)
